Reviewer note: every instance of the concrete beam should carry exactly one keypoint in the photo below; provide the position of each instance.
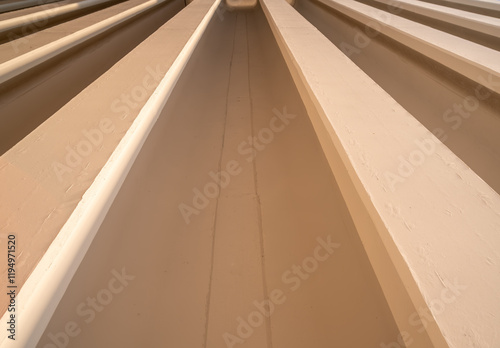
(472, 60)
(45, 15)
(25, 62)
(46, 285)
(473, 21)
(438, 232)
(18, 5)
(483, 4)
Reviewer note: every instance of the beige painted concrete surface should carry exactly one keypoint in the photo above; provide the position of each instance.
(267, 207)
(483, 4)
(194, 284)
(43, 16)
(38, 37)
(412, 227)
(14, 8)
(409, 78)
(38, 199)
(466, 57)
(480, 23)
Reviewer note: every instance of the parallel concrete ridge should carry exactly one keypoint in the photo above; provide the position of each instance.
(429, 244)
(472, 60)
(44, 288)
(17, 5)
(44, 15)
(396, 226)
(21, 64)
(485, 4)
(480, 23)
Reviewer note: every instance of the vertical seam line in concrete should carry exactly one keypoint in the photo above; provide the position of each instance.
(207, 310)
(259, 207)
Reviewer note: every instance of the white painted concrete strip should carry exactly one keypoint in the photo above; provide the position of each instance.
(433, 240)
(480, 23)
(17, 66)
(17, 22)
(17, 5)
(467, 58)
(45, 287)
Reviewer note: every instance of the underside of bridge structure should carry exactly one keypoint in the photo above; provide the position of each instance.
(250, 173)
